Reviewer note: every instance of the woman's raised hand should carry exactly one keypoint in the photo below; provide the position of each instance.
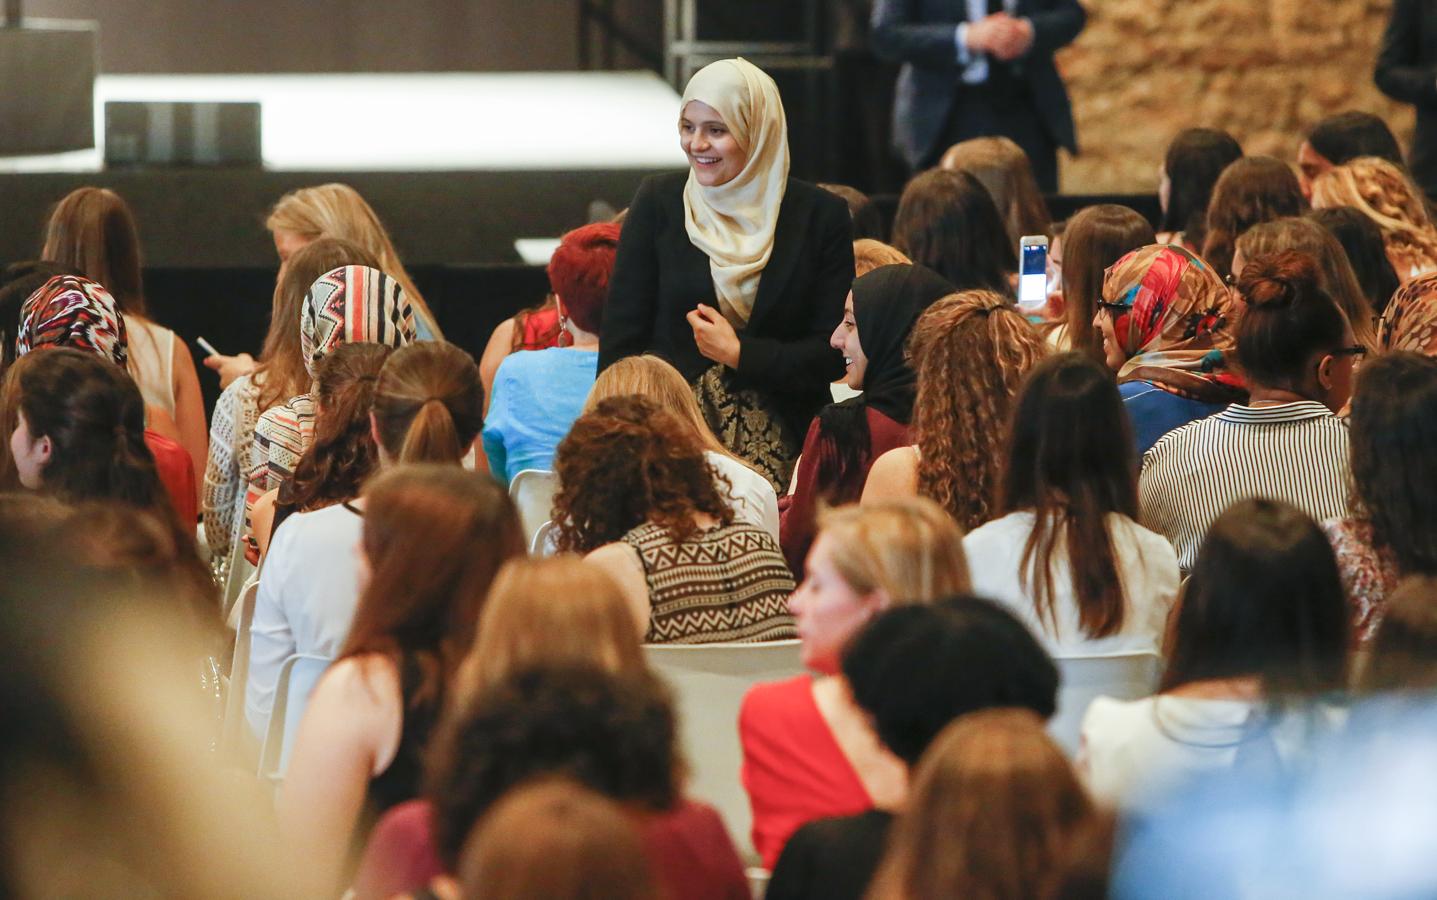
(714, 335)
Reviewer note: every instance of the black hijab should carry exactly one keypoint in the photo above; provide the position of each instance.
(886, 304)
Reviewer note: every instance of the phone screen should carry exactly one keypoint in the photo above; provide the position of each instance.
(1033, 276)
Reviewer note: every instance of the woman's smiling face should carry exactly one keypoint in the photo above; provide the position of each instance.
(714, 153)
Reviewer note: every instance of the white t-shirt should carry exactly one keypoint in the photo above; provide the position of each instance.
(1147, 565)
(1135, 751)
(308, 591)
(752, 498)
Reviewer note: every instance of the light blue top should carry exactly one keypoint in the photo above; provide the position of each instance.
(537, 395)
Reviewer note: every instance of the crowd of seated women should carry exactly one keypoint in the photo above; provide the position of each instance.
(767, 418)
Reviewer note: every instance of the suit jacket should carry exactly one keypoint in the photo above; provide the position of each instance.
(920, 35)
(659, 276)
(1407, 71)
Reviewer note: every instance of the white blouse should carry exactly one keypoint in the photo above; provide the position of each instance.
(1135, 752)
(751, 496)
(1147, 565)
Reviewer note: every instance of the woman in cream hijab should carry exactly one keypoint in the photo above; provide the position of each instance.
(735, 272)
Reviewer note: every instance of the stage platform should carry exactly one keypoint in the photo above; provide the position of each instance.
(458, 166)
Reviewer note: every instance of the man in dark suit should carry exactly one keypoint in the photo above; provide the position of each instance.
(1407, 71)
(979, 67)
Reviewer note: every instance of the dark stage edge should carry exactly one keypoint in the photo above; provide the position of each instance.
(214, 218)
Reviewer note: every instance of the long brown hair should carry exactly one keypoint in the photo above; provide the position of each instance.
(434, 536)
(337, 210)
(1004, 169)
(342, 455)
(93, 231)
(948, 222)
(1250, 191)
(429, 405)
(1094, 239)
(995, 811)
(551, 611)
(971, 351)
(1337, 278)
(1071, 461)
(281, 372)
(95, 418)
(625, 463)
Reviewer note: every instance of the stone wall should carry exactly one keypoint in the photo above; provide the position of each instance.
(1264, 70)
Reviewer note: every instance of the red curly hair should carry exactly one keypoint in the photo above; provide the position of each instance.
(626, 462)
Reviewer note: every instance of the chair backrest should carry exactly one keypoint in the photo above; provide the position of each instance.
(297, 678)
(1122, 676)
(543, 543)
(709, 682)
(533, 492)
(235, 728)
(238, 573)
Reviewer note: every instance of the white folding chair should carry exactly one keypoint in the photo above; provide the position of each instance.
(542, 544)
(533, 493)
(297, 678)
(239, 573)
(709, 682)
(234, 731)
(1122, 676)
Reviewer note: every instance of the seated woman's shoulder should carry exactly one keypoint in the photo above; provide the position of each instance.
(893, 475)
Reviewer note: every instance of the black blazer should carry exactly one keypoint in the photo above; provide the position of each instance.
(1407, 71)
(659, 276)
(921, 34)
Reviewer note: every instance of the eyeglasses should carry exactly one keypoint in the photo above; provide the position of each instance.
(1355, 351)
(1114, 309)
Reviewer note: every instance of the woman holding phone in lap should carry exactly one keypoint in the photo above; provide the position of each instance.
(735, 272)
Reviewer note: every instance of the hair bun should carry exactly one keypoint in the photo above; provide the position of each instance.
(1278, 280)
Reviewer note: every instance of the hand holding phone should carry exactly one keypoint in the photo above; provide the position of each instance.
(1033, 271)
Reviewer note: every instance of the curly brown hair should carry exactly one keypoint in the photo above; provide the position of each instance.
(971, 351)
(626, 462)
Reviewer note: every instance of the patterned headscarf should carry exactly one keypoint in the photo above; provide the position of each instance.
(351, 305)
(71, 311)
(1176, 332)
(1410, 320)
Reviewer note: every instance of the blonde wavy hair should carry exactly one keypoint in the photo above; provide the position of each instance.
(911, 549)
(869, 254)
(337, 210)
(558, 610)
(650, 377)
(1383, 192)
(971, 350)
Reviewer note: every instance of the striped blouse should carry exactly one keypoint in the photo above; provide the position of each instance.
(1295, 452)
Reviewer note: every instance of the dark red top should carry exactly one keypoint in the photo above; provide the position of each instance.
(177, 474)
(796, 520)
(689, 849)
(793, 769)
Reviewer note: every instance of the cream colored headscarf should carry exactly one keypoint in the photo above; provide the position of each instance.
(733, 223)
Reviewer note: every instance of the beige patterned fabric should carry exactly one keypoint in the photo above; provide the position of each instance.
(721, 585)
